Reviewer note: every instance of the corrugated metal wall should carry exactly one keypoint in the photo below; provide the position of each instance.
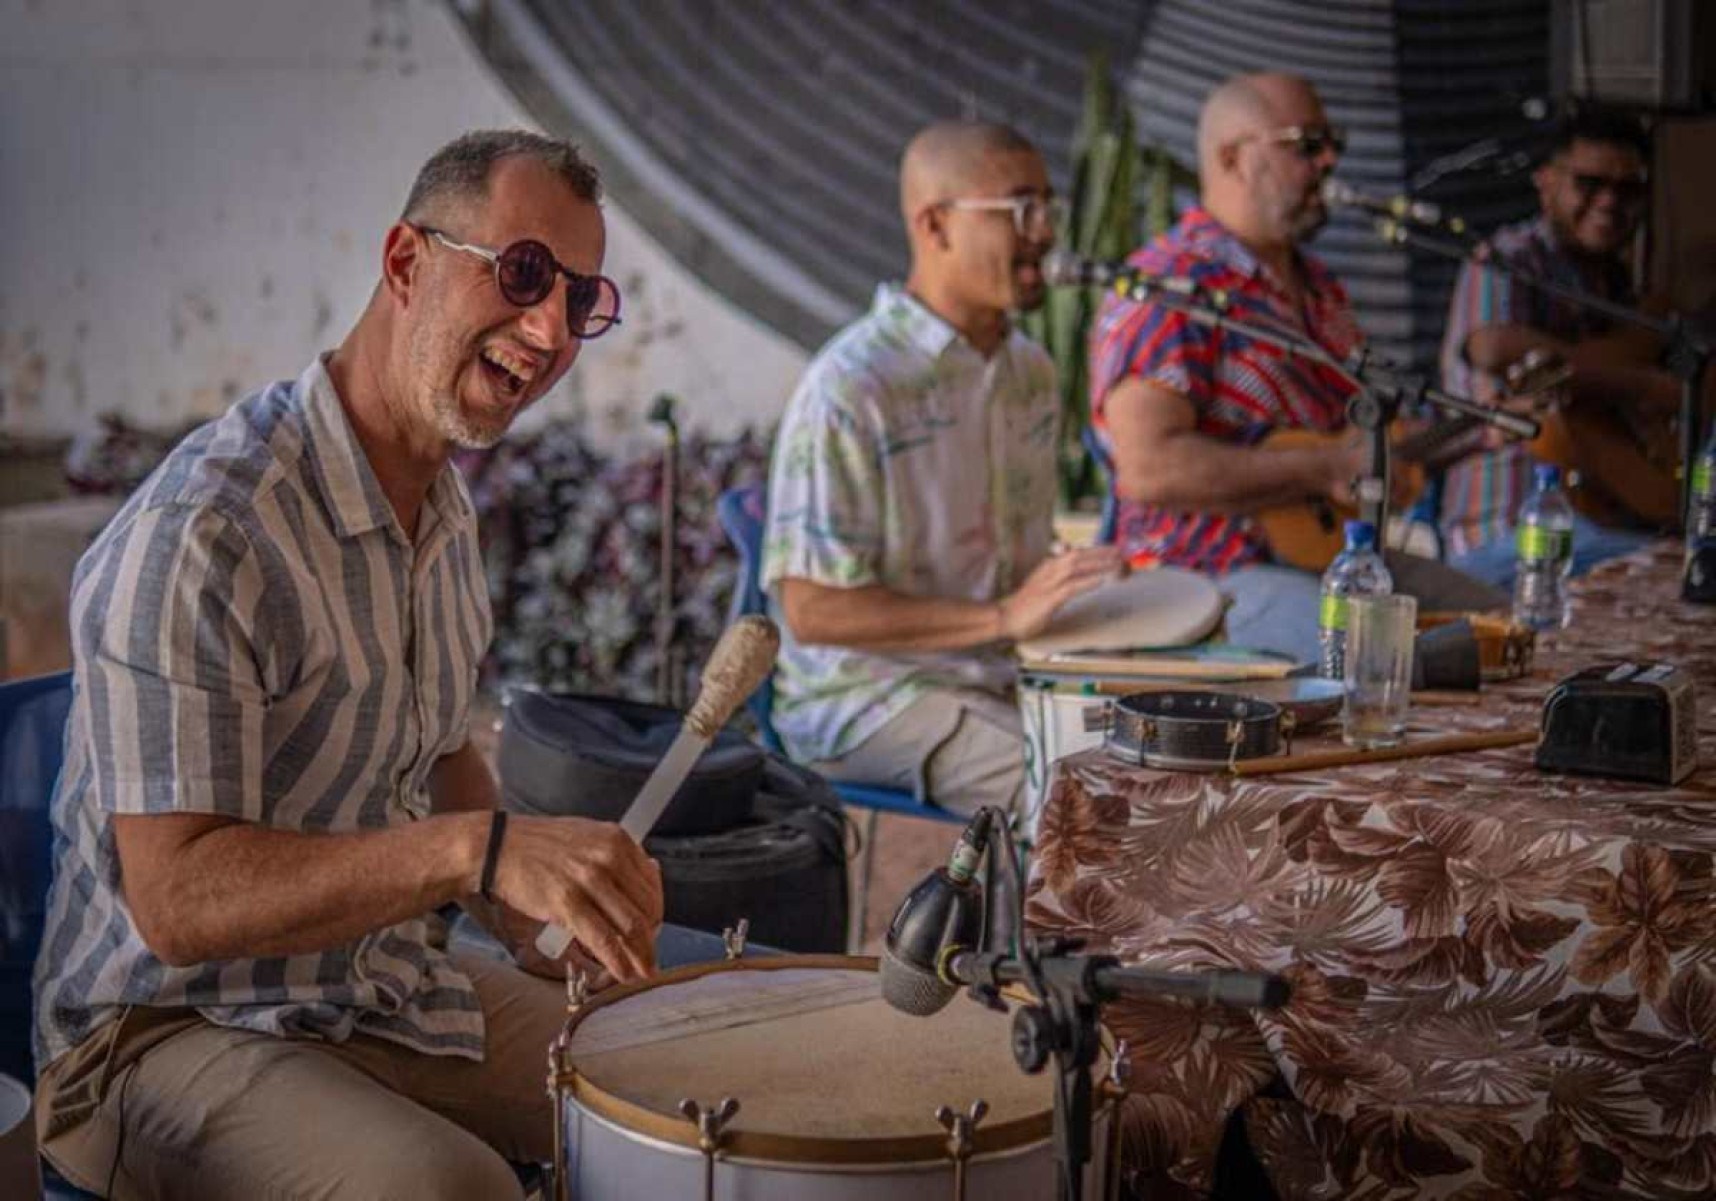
(760, 141)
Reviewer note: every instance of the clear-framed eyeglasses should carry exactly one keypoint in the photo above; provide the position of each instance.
(1032, 213)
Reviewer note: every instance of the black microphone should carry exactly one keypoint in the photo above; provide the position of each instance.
(944, 911)
(1064, 269)
(1337, 194)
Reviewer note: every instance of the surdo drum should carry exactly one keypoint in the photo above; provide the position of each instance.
(789, 1079)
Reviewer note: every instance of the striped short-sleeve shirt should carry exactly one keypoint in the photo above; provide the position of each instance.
(1484, 492)
(255, 636)
(1240, 388)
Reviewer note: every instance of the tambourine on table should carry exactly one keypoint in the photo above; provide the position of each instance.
(789, 1078)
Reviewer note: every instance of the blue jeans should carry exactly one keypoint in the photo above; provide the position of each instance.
(1275, 608)
(1493, 562)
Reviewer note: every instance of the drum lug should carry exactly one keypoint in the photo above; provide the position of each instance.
(559, 1065)
(961, 1137)
(1094, 718)
(577, 989)
(1119, 1081)
(711, 1131)
(733, 939)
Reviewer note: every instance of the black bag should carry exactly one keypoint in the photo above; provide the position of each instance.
(748, 835)
(785, 870)
(587, 756)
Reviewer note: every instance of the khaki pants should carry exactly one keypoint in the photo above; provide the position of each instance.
(170, 1106)
(959, 747)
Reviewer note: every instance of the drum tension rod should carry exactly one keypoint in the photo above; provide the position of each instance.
(711, 1132)
(1119, 1081)
(961, 1138)
(733, 939)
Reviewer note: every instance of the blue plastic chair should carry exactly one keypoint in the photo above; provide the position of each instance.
(742, 513)
(1098, 452)
(1427, 511)
(32, 744)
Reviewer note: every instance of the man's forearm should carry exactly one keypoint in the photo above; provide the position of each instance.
(1610, 371)
(879, 619)
(1193, 471)
(241, 890)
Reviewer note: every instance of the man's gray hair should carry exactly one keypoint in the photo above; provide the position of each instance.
(459, 171)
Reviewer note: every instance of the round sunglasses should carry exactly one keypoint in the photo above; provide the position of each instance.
(526, 272)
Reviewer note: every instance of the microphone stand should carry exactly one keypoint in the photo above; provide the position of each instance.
(1068, 990)
(1687, 350)
(1381, 389)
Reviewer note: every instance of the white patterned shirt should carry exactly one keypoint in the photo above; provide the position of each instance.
(255, 636)
(909, 460)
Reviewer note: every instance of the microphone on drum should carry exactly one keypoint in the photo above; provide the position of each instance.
(944, 911)
(934, 947)
(741, 660)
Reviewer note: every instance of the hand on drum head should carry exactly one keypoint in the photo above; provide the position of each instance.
(589, 878)
(1056, 581)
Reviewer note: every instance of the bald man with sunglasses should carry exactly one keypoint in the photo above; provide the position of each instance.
(1182, 407)
(270, 787)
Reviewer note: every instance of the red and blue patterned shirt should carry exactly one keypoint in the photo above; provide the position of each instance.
(1240, 387)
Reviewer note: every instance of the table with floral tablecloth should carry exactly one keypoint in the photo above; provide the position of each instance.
(1504, 981)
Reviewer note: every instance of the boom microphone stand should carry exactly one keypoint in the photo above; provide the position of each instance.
(1381, 388)
(926, 960)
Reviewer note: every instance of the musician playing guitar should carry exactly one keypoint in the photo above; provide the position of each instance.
(1616, 432)
(1187, 411)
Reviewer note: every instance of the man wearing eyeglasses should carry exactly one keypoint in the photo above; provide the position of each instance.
(1182, 407)
(270, 786)
(912, 492)
(1592, 190)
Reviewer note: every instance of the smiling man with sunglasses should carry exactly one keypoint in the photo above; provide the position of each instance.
(270, 786)
(1183, 407)
(1592, 190)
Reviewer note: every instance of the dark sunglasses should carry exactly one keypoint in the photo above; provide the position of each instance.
(1628, 189)
(526, 273)
(1309, 141)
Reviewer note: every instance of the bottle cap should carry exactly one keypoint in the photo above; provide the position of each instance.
(1361, 535)
(1547, 475)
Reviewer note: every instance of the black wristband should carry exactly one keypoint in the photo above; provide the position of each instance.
(491, 858)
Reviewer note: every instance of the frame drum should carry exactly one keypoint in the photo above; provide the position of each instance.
(837, 1093)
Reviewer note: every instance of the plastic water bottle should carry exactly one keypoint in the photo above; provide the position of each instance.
(1701, 520)
(1357, 571)
(1544, 544)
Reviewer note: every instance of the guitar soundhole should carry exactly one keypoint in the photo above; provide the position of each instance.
(1325, 517)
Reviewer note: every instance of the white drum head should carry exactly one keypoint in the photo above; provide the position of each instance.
(1156, 608)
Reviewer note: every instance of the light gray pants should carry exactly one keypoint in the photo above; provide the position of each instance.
(170, 1106)
(959, 748)
(1275, 608)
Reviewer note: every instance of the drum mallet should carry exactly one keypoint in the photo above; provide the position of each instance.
(740, 661)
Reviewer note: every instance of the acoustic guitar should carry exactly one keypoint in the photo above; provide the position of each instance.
(1620, 464)
(1308, 534)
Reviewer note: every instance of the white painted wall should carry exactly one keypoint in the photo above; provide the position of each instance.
(192, 198)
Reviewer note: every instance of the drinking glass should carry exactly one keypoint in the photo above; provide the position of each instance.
(1378, 681)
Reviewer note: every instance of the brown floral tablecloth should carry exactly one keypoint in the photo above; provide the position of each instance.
(1504, 981)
